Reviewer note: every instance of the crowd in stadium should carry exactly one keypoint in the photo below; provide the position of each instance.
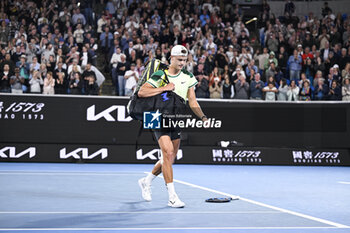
(55, 47)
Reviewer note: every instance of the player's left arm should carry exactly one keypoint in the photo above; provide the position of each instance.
(192, 101)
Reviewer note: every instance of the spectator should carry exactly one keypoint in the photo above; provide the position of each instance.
(47, 51)
(214, 74)
(101, 22)
(271, 71)
(346, 71)
(343, 59)
(190, 63)
(336, 73)
(283, 90)
(215, 88)
(309, 69)
(293, 91)
(16, 82)
(279, 76)
(325, 9)
(132, 78)
(294, 63)
(43, 70)
(92, 87)
(270, 91)
(202, 88)
(221, 60)
(270, 60)
(78, 17)
(242, 37)
(227, 88)
(319, 66)
(307, 54)
(262, 59)
(282, 59)
(61, 84)
(79, 35)
(335, 92)
(305, 93)
(230, 54)
(139, 67)
(330, 61)
(244, 57)
(321, 90)
(209, 62)
(256, 87)
(4, 33)
(49, 84)
(273, 80)
(346, 37)
(121, 69)
(242, 87)
(35, 82)
(204, 17)
(86, 76)
(75, 84)
(331, 77)
(323, 40)
(300, 50)
(346, 89)
(6, 75)
(106, 39)
(302, 80)
(85, 57)
(325, 50)
(251, 66)
(289, 8)
(272, 43)
(74, 67)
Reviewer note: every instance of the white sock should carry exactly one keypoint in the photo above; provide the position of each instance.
(171, 190)
(149, 178)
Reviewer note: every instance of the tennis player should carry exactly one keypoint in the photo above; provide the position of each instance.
(182, 83)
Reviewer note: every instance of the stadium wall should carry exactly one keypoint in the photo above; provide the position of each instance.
(38, 128)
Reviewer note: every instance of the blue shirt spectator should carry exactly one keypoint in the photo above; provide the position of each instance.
(251, 65)
(256, 87)
(203, 17)
(78, 17)
(321, 90)
(294, 64)
(106, 38)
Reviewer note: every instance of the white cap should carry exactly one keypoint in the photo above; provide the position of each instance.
(335, 66)
(179, 50)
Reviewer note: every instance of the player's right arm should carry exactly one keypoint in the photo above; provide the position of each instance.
(155, 85)
(147, 90)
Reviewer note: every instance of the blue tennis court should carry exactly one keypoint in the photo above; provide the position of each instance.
(41, 197)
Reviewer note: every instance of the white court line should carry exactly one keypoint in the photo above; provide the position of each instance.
(70, 173)
(343, 182)
(143, 212)
(338, 225)
(161, 228)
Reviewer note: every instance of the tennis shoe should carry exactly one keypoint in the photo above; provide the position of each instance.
(146, 189)
(176, 202)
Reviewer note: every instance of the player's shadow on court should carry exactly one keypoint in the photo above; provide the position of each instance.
(139, 206)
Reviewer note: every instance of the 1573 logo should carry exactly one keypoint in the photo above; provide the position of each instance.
(242, 156)
(22, 110)
(308, 157)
